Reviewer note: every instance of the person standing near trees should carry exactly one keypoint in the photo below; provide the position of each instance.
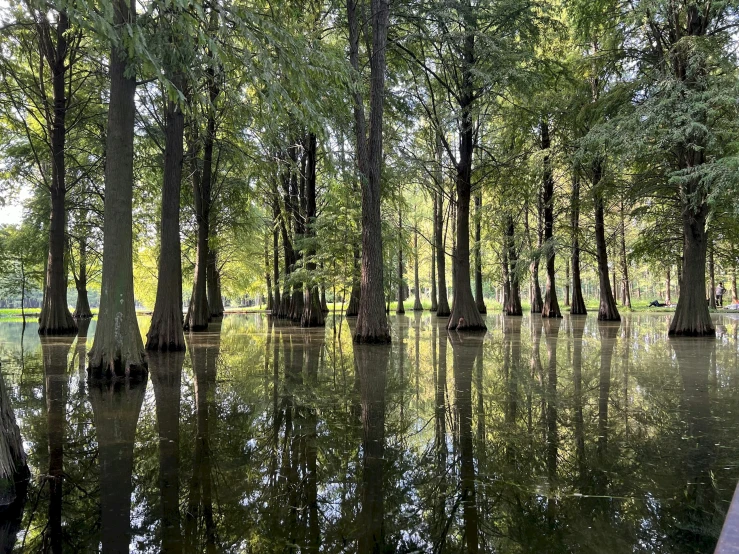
(720, 290)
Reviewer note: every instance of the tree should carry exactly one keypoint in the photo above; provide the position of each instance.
(117, 348)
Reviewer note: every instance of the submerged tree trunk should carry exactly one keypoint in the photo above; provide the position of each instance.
(513, 297)
(118, 348)
(55, 317)
(82, 309)
(607, 310)
(417, 306)
(443, 307)
(312, 309)
(213, 278)
(692, 317)
(479, 297)
(550, 308)
(372, 326)
(165, 332)
(577, 306)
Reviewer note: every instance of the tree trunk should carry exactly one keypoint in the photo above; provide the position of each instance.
(118, 348)
(513, 292)
(668, 295)
(165, 332)
(275, 252)
(13, 468)
(443, 307)
(352, 309)
(567, 284)
(417, 306)
(625, 284)
(434, 302)
(534, 288)
(55, 317)
(479, 296)
(550, 308)
(268, 277)
(607, 310)
(312, 309)
(400, 309)
(213, 286)
(692, 317)
(734, 297)
(465, 316)
(82, 309)
(711, 279)
(372, 326)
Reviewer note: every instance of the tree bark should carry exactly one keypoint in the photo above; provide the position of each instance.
(434, 301)
(443, 307)
(400, 309)
(82, 309)
(513, 292)
(165, 332)
(625, 284)
(577, 306)
(711, 279)
(118, 348)
(534, 287)
(550, 308)
(692, 317)
(372, 326)
(479, 296)
(352, 309)
(417, 306)
(607, 310)
(213, 279)
(276, 251)
(14, 472)
(55, 318)
(312, 309)
(668, 285)
(268, 277)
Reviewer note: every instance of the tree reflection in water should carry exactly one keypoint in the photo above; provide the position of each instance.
(546, 436)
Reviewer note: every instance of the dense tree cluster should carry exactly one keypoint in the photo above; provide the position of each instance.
(308, 151)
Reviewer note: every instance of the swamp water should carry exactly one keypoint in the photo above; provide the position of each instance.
(541, 436)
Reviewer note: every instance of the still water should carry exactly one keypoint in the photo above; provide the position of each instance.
(541, 436)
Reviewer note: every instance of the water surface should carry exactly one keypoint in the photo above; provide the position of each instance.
(540, 436)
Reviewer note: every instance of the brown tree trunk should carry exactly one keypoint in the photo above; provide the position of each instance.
(534, 287)
(55, 317)
(668, 285)
(312, 309)
(607, 310)
(577, 306)
(567, 284)
(400, 309)
(276, 252)
(734, 297)
(434, 300)
(443, 307)
(711, 279)
(165, 332)
(213, 285)
(118, 348)
(513, 292)
(479, 297)
(692, 317)
(267, 276)
(550, 308)
(352, 309)
(82, 309)
(625, 284)
(372, 326)
(417, 306)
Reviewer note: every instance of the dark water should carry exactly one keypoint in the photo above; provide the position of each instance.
(568, 436)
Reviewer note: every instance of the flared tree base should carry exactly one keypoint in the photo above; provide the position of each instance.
(104, 373)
